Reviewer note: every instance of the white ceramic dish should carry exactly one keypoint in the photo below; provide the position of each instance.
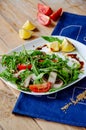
(81, 50)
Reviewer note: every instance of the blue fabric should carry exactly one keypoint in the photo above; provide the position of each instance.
(72, 26)
(49, 107)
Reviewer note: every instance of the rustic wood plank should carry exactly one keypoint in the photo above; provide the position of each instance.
(10, 8)
(47, 125)
(3, 47)
(74, 6)
(9, 35)
(18, 123)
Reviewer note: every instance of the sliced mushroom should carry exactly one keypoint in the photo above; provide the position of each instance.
(27, 80)
(33, 76)
(54, 80)
(58, 83)
(18, 73)
(52, 77)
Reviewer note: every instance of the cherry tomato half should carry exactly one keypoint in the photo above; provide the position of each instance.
(43, 19)
(44, 9)
(29, 66)
(22, 66)
(55, 15)
(45, 87)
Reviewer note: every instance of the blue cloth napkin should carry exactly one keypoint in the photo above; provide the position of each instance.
(49, 107)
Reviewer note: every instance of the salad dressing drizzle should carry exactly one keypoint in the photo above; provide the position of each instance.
(74, 56)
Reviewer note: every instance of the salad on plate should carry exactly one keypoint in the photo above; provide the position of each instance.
(38, 72)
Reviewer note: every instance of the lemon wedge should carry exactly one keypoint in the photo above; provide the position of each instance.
(28, 25)
(67, 46)
(55, 46)
(24, 34)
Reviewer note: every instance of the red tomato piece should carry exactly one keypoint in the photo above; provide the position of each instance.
(45, 87)
(43, 19)
(44, 9)
(55, 15)
(29, 66)
(41, 60)
(23, 67)
(54, 60)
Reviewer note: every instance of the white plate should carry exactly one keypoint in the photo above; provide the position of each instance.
(81, 50)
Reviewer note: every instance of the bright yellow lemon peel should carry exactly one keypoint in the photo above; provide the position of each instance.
(67, 46)
(24, 34)
(28, 26)
(55, 46)
(26, 31)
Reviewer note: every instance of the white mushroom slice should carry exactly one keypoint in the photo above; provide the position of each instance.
(59, 84)
(18, 73)
(33, 76)
(52, 77)
(27, 80)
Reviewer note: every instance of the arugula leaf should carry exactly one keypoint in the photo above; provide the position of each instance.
(36, 52)
(8, 76)
(22, 88)
(51, 39)
(34, 67)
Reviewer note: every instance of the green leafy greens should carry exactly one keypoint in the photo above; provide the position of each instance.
(42, 64)
(52, 39)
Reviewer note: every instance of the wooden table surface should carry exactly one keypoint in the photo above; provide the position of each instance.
(13, 14)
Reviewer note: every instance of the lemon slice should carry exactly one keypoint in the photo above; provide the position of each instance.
(28, 26)
(55, 46)
(67, 46)
(25, 34)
